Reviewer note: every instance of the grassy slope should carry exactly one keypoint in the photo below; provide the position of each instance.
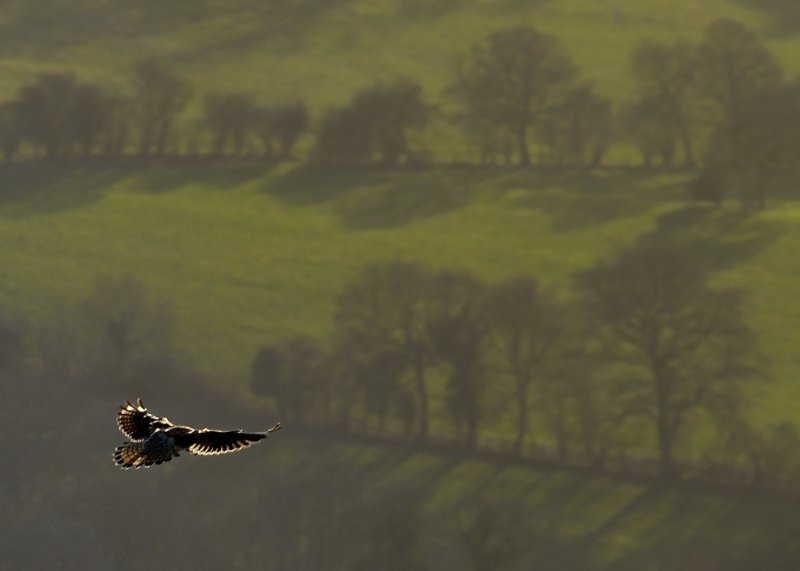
(323, 51)
(285, 243)
(244, 261)
(246, 256)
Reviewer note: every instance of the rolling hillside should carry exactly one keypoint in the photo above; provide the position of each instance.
(245, 255)
(323, 51)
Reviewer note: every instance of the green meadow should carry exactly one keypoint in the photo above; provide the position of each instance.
(324, 51)
(246, 255)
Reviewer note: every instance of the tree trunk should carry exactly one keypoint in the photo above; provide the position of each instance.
(522, 418)
(522, 145)
(422, 394)
(163, 133)
(688, 149)
(666, 466)
(664, 432)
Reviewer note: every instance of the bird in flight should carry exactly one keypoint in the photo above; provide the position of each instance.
(154, 439)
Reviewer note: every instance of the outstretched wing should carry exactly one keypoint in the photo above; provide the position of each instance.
(136, 423)
(209, 442)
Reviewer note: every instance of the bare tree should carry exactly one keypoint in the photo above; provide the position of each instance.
(734, 67)
(460, 330)
(289, 121)
(386, 311)
(159, 95)
(666, 75)
(511, 80)
(578, 129)
(525, 328)
(280, 126)
(682, 345)
(229, 117)
(769, 143)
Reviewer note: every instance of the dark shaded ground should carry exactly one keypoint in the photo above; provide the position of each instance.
(305, 500)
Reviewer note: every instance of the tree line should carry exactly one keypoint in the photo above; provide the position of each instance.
(517, 98)
(647, 357)
(646, 362)
(671, 354)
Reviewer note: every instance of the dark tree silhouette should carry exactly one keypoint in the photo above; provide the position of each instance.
(769, 144)
(229, 118)
(386, 311)
(525, 329)
(666, 75)
(289, 121)
(280, 126)
(159, 95)
(374, 126)
(494, 143)
(733, 68)
(511, 80)
(378, 376)
(91, 114)
(58, 114)
(460, 330)
(44, 108)
(116, 132)
(578, 129)
(292, 374)
(683, 346)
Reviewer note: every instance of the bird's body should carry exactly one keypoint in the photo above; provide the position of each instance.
(154, 440)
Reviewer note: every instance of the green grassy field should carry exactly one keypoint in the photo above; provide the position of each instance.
(324, 51)
(246, 255)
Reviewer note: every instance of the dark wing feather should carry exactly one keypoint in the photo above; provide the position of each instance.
(209, 442)
(136, 423)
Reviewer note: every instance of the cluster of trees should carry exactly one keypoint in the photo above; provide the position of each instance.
(647, 358)
(723, 101)
(57, 115)
(517, 97)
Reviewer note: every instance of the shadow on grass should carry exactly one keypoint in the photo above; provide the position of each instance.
(371, 197)
(723, 237)
(37, 187)
(577, 199)
(214, 174)
(368, 197)
(714, 533)
(41, 186)
(551, 519)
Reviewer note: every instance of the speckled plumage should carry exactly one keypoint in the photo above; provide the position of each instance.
(155, 440)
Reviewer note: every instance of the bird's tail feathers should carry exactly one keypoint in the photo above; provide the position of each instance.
(140, 454)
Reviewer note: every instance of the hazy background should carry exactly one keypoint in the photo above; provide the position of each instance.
(517, 277)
